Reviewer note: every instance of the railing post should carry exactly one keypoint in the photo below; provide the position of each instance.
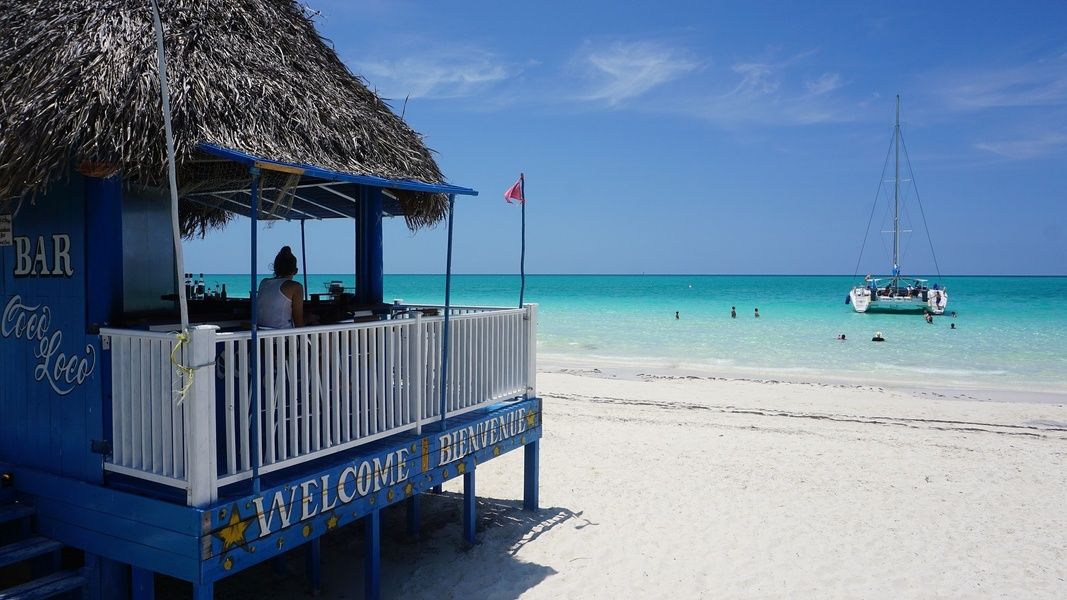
(201, 469)
(531, 350)
(419, 364)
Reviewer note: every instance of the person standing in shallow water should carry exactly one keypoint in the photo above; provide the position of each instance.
(733, 312)
(676, 315)
(757, 313)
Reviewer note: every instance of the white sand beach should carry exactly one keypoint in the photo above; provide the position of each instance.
(672, 486)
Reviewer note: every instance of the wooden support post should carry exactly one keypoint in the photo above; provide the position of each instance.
(142, 583)
(107, 578)
(372, 559)
(201, 467)
(531, 467)
(414, 515)
(204, 591)
(469, 509)
(314, 565)
(531, 351)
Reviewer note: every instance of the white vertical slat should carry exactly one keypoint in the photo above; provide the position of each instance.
(281, 428)
(531, 350)
(243, 409)
(292, 342)
(345, 364)
(324, 405)
(304, 347)
(335, 387)
(490, 356)
(137, 414)
(266, 394)
(148, 403)
(316, 392)
(507, 352)
(406, 358)
(119, 396)
(437, 360)
(166, 410)
(380, 381)
(159, 402)
(395, 373)
(452, 368)
(177, 382)
(418, 369)
(385, 380)
(228, 360)
(364, 412)
(373, 399)
(461, 356)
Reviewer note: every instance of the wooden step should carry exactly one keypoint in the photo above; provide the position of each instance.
(45, 587)
(14, 512)
(26, 549)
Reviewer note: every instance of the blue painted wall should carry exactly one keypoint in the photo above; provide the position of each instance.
(50, 364)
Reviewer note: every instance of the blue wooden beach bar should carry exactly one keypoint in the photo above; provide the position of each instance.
(150, 428)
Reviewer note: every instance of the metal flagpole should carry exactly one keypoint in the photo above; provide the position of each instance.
(448, 306)
(522, 254)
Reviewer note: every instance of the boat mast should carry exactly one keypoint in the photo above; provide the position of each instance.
(896, 196)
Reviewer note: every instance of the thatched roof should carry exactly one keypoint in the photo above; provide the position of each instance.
(79, 89)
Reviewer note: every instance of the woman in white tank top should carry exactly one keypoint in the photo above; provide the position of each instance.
(280, 300)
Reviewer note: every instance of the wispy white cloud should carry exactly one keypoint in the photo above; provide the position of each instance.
(618, 71)
(1028, 148)
(1036, 83)
(825, 84)
(770, 92)
(438, 73)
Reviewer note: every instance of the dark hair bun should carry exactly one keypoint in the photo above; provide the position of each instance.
(284, 263)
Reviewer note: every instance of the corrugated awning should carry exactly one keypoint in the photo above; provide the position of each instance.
(308, 192)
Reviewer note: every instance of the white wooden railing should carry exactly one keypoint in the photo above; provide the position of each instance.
(321, 390)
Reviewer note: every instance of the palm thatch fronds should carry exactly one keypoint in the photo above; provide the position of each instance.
(79, 89)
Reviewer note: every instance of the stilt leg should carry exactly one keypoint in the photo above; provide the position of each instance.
(414, 516)
(372, 560)
(469, 510)
(278, 564)
(204, 591)
(314, 565)
(107, 578)
(143, 584)
(530, 475)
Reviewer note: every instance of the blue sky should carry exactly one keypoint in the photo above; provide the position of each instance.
(712, 137)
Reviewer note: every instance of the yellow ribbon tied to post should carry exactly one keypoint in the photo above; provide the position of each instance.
(189, 372)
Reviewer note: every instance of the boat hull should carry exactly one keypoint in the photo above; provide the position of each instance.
(863, 300)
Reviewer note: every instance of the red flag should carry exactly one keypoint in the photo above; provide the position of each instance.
(515, 192)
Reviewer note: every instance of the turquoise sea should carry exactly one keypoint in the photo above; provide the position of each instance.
(1011, 331)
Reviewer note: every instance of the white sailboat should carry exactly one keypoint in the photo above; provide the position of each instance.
(895, 292)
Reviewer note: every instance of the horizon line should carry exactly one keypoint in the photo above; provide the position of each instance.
(669, 274)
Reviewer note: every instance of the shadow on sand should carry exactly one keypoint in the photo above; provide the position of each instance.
(436, 564)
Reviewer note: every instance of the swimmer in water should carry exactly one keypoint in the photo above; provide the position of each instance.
(757, 313)
(733, 312)
(676, 315)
